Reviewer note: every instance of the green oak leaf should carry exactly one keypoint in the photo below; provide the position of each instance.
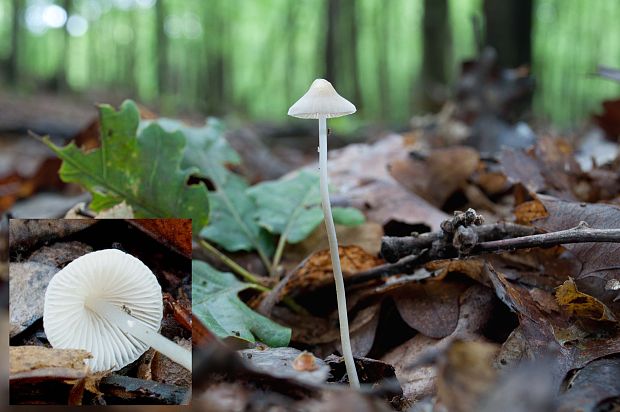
(207, 149)
(216, 303)
(233, 225)
(291, 207)
(144, 169)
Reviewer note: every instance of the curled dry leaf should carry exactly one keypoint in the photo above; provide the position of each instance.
(418, 382)
(367, 236)
(166, 371)
(316, 270)
(471, 267)
(581, 305)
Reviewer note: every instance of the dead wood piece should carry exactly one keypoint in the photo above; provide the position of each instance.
(441, 249)
(394, 248)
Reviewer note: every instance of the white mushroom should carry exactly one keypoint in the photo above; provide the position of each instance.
(321, 102)
(110, 304)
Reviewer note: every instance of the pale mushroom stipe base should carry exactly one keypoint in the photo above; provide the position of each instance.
(110, 304)
(321, 102)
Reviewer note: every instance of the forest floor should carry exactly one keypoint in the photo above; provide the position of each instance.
(484, 273)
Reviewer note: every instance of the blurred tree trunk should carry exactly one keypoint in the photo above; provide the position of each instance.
(289, 71)
(436, 54)
(63, 59)
(163, 76)
(341, 47)
(215, 93)
(331, 39)
(12, 66)
(509, 30)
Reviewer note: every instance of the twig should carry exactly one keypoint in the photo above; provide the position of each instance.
(579, 234)
(394, 248)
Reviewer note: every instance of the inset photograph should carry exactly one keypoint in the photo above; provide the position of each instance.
(100, 311)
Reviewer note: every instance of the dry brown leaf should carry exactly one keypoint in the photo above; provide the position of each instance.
(609, 120)
(325, 331)
(600, 262)
(316, 270)
(360, 174)
(417, 382)
(527, 212)
(581, 305)
(476, 307)
(544, 329)
(166, 371)
(438, 176)
(591, 386)
(367, 236)
(492, 182)
(471, 267)
(175, 233)
(432, 308)
(548, 167)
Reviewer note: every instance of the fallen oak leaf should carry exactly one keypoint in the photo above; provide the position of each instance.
(117, 171)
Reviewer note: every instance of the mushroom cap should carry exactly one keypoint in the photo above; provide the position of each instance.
(321, 100)
(115, 277)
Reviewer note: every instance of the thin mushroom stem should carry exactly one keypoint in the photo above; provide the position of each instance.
(347, 353)
(141, 331)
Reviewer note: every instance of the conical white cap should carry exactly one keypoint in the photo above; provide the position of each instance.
(321, 100)
(119, 279)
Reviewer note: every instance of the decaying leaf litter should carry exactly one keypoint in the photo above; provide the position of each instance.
(461, 311)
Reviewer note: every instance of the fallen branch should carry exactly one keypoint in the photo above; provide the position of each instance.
(442, 245)
(395, 248)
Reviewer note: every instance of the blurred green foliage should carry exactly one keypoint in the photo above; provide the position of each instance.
(256, 57)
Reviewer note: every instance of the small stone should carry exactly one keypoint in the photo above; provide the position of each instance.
(27, 284)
